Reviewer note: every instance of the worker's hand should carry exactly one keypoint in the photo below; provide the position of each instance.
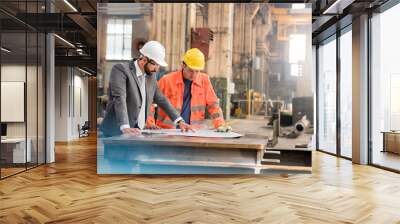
(152, 125)
(185, 127)
(131, 131)
(224, 128)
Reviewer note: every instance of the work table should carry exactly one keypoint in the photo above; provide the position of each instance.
(181, 152)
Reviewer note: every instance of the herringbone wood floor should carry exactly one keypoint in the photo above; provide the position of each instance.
(70, 191)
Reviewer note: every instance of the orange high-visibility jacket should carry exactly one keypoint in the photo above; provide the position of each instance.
(203, 97)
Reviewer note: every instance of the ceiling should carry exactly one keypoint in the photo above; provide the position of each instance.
(330, 15)
(76, 20)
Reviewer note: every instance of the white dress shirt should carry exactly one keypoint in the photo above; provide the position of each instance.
(142, 113)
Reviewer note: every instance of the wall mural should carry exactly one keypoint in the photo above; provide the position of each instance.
(204, 88)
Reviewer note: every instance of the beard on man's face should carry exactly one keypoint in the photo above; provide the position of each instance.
(147, 70)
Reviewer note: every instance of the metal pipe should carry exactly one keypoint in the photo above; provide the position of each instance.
(302, 125)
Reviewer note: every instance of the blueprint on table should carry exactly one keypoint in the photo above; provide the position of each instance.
(197, 133)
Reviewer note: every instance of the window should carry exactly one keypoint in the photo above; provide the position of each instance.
(346, 94)
(385, 86)
(119, 39)
(394, 101)
(297, 53)
(294, 69)
(327, 97)
(22, 76)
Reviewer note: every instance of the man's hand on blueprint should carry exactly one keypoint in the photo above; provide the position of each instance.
(199, 133)
(185, 127)
(130, 131)
(152, 125)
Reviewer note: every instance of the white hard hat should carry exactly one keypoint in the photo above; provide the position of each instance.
(155, 51)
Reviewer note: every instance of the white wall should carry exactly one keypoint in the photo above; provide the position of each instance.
(14, 73)
(33, 126)
(71, 94)
(61, 89)
(81, 104)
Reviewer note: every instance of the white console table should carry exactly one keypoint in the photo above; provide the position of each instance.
(18, 149)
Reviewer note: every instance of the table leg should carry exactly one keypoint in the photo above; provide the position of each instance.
(260, 155)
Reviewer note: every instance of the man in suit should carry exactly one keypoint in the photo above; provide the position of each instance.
(132, 90)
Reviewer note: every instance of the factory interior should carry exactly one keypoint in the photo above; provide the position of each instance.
(315, 80)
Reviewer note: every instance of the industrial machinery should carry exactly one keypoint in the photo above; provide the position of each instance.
(274, 108)
(299, 127)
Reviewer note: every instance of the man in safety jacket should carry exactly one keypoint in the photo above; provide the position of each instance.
(191, 93)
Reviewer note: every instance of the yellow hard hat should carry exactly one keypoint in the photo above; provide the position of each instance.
(194, 59)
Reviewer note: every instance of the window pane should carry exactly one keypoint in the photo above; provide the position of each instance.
(110, 46)
(14, 154)
(127, 54)
(385, 88)
(346, 94)
(41, 98)
(31, 98)
(297, 45)
(127, 47)
(119, 39)
(118, 47)
(22, 89)
(294, 69)
(119, 27)
(327, 97)
(128, 26)
(111, 26)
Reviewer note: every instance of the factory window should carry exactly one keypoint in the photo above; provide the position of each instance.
(294, 70)
(297, 51)
(385, 89)
(119, 39)
(327, 96)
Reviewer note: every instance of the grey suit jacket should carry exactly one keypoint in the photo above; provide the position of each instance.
(125, 99)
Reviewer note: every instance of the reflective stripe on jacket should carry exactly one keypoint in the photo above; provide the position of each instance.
(203, 97)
